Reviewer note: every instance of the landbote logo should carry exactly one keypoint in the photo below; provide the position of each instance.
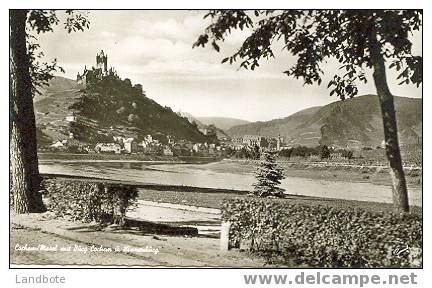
(40, 279)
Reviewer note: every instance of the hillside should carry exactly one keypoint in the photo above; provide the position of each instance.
(112, 107)
(220, 133)
(223, 123)
(353, 122)
(192, 119)
(57, 84)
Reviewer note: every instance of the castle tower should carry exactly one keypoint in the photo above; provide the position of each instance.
(102, 62)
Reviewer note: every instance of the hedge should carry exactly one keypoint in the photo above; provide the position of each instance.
(323, 236)
(89, 201)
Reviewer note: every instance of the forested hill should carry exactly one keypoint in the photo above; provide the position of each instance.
(352, 122)
(110, 107)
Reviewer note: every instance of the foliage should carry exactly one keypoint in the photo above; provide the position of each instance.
(315, 36)
(324, 151)
(357, 39)
(285, 152)
(321, 151)
(89, 201)
(413, 154)
(43, 21)
(247, 153)
(348, 154)
(322, 236)
(268, 176)
(27, 74)
(300, 151)
(112, 101)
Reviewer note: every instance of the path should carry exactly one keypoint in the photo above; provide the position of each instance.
(173, 251)
(206, 220)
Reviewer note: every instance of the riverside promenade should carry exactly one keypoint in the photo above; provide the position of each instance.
(134, 247)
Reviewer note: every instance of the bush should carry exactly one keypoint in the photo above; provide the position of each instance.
(324, 151)
(303, 151)
(89, 201)
(322, 236)
(285, 152)
(348, 154)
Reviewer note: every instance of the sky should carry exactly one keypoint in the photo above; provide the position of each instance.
(154, 48)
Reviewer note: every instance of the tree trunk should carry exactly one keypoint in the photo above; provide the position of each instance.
(400, 192)
(25, 179)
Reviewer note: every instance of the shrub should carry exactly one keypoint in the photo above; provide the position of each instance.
(285, 152)
(348, 154)
(89, 201)
(324, 151)
(323, 236)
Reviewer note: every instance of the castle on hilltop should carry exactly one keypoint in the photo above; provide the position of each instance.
(96, 73)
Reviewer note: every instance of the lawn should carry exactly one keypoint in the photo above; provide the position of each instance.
(213, 199)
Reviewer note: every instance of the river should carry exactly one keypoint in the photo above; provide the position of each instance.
(223, 175)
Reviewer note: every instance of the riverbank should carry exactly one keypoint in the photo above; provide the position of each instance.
(212, 197)
(332, 172)
(140, 158)
(308, 170)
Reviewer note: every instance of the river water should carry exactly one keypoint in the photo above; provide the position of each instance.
(223, 175)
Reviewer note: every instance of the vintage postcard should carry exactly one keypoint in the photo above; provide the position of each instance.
(216, 138)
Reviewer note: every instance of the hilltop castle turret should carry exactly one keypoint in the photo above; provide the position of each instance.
(98, 72)
(102, 62)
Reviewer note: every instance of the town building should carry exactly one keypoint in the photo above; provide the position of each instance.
(167, 151)
(130, 145)
(59, 144)
(279, 143)
(108, 148)
(209, 130)
(252, 140)
(71, 118)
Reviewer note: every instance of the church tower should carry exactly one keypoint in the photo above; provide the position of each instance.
(278, 143)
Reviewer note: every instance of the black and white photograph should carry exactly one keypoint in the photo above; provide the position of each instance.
(284, 138)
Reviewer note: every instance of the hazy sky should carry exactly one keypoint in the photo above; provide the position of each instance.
(154, 48)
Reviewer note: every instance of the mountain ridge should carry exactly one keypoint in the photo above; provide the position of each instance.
(223, 123)
(352, 122)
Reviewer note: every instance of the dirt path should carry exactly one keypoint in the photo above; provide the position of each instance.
(22, 236)
(172, 251)
(207, 223)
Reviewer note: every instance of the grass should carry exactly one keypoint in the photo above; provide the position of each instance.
(207, 198)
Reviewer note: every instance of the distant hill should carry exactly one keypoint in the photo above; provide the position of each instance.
(57, 84)
(223, 123)
(353, 122)
(220, 133)
(112, 107)
(192, 119)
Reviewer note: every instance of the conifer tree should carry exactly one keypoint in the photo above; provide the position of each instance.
(269, 175)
